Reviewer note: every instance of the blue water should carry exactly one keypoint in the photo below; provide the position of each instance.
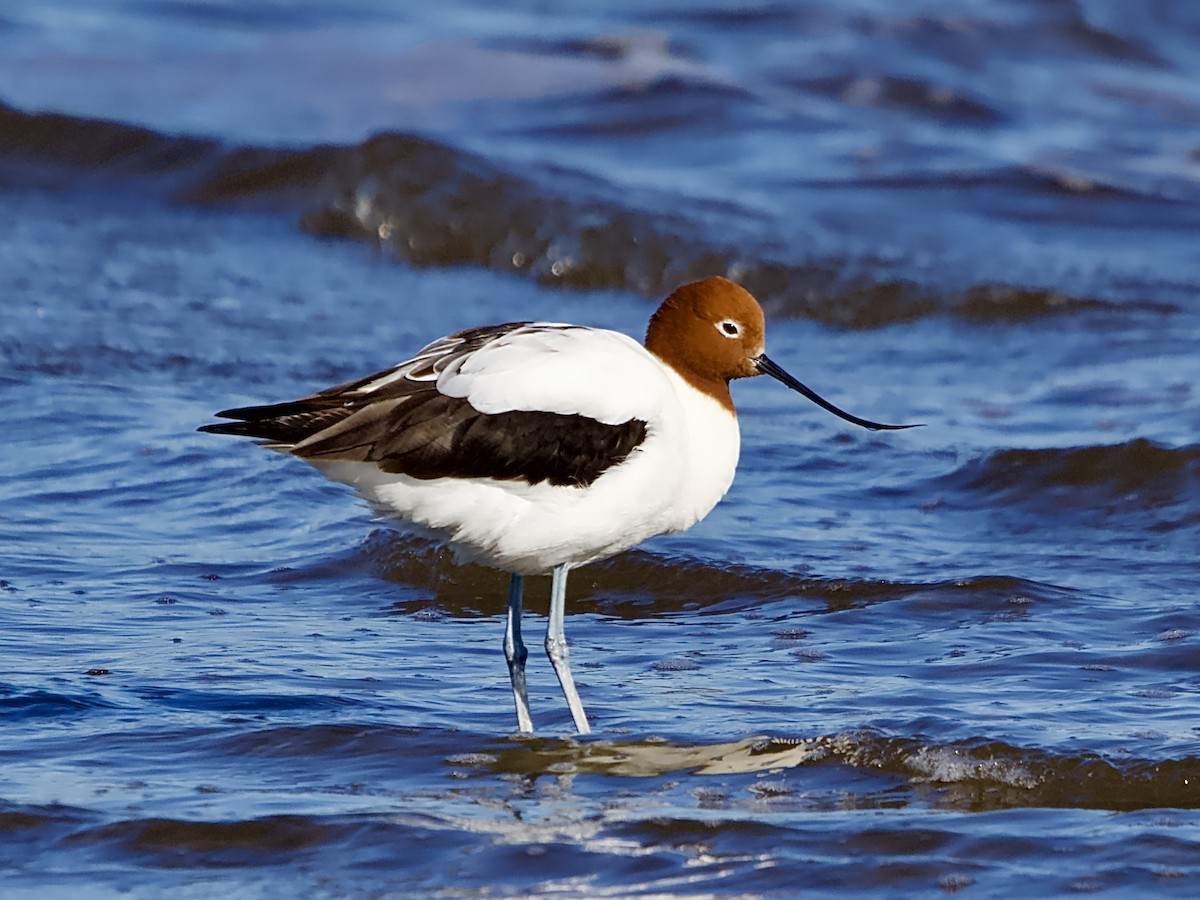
(957, 659)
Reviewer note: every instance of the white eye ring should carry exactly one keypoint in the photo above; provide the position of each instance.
(729, 328)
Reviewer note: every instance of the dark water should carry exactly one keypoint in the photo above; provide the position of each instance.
(960, 659)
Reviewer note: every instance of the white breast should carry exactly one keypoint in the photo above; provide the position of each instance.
(712, 443)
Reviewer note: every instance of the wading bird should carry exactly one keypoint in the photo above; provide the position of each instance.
(538, 447)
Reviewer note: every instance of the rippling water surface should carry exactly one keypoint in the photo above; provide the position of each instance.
(964, 658)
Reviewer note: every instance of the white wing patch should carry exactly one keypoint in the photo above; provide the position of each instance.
(561, 369)
(539, 367)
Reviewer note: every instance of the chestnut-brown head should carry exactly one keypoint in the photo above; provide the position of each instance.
(712, 331)
(709, 332)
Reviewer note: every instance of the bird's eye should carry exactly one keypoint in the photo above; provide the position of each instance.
(729, 329)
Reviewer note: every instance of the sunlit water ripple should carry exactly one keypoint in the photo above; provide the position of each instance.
(961, 658)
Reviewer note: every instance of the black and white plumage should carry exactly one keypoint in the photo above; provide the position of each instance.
(540, 447)
(401, 422)
(522, 446)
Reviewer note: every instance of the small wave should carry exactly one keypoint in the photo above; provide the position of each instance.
(907, 95)
(626, 586)
(431, 204)
(21, 822)
(337, 741)
(265, 841)
(672, 103)
(993, 775)
(655, 50)
(1136, 476)
(637, 583)
(212, 843)
(38, 148)
(16, 705)
(233, 702)
(999, 302)
(997, 187)
(1077, 32)
(973, 774)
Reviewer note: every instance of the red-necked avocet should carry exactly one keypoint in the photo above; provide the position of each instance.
(538, 447)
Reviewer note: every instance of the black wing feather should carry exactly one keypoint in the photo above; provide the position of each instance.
(407, 427)
(512, 446)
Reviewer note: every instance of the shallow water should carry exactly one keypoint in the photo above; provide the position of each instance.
(957, 659)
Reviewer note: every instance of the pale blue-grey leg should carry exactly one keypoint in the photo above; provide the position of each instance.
(516, 654)
(556, 647)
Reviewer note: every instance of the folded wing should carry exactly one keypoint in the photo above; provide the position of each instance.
(403, 421)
